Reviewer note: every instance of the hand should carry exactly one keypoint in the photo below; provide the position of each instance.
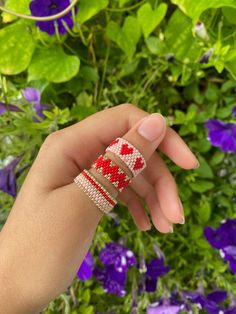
(52, 222)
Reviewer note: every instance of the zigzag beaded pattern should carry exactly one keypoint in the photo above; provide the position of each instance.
(106, 167)
(129, 154)
(95, 191)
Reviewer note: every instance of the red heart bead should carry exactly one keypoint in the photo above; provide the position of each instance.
(126, 150)
(138, 164)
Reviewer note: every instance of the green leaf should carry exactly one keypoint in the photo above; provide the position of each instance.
(126, 37)
(88, 9)
(230, 65)
(149, 19)
(204, 171)
(230, 14)
(179, 38)
(53, 65)
(17, 47)
(204, 211)
(194, 9)
(201, 186)
(19, 6)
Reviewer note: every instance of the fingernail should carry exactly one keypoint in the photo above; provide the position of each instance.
(182, 221)
(197, 165)
(171, 229)
(152, 127)
(147, 225)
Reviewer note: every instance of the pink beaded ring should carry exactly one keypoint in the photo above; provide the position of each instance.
(95, 191)
(129, 154)
(108, 168)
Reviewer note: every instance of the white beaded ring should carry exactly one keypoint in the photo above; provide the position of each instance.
(129, 154)
(95, 191)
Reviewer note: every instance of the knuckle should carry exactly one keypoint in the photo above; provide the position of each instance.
(52, 140)
(128, 106)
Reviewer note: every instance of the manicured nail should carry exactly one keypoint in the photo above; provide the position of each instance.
(182, 222)
(147, 225)
(152, 127)
(171, 229)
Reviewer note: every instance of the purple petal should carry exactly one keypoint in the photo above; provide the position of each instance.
(217, 296)
(86, 269)
(6, 107)
(164, 309)
(8, 179)
(234, 111)
(156, 268)
(32, 95)
(150, 284)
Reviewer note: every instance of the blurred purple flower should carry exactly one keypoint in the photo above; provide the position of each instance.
(155, 269)
(206, 56)
(229, 254)
(210, 303)
(6, 107)
(164, 309)
(8, 178)
(33, 96)
(51, 7)
(117, 259)
(222, 135)
(118, 256)
(112, 280)
(234, 111)
(86, 268)
(223, 238)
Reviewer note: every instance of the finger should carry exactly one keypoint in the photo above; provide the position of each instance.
(145, 190)
(166, 189)
(136, 208)
(177, 150)
(93, 133)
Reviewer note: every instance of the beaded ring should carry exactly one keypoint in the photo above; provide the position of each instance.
(111, 171)
(95, 191)
(129, 154)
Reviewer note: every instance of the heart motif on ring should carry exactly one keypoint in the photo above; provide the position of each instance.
(138, 164)
(126, 150)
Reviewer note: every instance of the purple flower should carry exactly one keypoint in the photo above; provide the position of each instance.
(118, 256)
(86, 268)
(206, 56)
(51, 7)
(113, 281)
(234, 111)
(6, 107)
(229, 254)
(223, 238)
(222, 135)
(8, 179)
(202, 302)
(32, 95)
(116, 259)
(155, 269)
(164, 309)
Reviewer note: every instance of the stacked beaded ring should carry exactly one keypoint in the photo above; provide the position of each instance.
(111, 171)
(128, 154)
(95, 191)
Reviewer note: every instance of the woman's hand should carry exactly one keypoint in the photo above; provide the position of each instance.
(52, 222)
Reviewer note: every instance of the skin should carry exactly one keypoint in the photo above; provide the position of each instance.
(52, 223)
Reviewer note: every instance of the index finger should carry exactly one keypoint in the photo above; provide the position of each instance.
(79, 144)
